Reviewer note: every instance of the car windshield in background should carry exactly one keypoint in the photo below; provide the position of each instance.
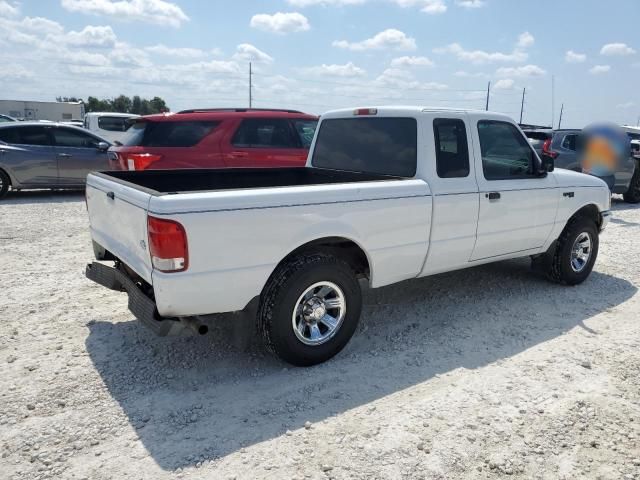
(306, 129)
(167, 134)
(114, 124)
(537, 139)
(387, 146)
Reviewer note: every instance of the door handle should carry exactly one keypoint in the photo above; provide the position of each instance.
(493, 195)
(111, 195)
(64, 155)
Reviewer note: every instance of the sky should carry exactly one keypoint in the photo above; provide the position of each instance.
(317, 55)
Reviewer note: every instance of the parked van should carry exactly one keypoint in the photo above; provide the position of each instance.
(109, 125)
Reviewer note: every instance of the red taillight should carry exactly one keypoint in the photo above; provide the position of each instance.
(365, 111)
(167, 245)
(546, 149)
(141, 161)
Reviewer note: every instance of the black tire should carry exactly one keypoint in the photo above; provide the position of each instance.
(5, 183)
(559, 262)
(280, 297)
(633, 194)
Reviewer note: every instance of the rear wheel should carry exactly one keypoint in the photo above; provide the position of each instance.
(310, 308)
(576, 252)
(5, 183)
(633, 194)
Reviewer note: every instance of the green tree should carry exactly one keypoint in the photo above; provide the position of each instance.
(124, 104)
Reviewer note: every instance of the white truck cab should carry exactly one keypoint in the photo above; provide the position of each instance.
(110, 125)
(388, 194)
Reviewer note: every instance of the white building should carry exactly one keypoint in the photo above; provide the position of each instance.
(54, 111)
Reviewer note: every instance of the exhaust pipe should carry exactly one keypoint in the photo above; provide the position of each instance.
(195, 325)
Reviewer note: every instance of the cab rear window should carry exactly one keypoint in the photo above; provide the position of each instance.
(383, 145)
(168, 134)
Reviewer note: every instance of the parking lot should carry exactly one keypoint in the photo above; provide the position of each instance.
(486, 373)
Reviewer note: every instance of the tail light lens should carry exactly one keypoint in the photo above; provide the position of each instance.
(546, 149)
(141, 161)
(365, 111)
(167, 245)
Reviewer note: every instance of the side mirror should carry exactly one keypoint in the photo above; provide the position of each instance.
(548, 164)
(103, 146)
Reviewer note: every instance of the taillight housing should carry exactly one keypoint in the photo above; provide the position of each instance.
(167, 245)
(546, 149)
(365, 111)
(141, 161)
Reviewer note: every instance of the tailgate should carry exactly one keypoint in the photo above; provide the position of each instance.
(118, 218)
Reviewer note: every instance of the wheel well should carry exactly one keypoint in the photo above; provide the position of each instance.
(346, 249)
(591, 212)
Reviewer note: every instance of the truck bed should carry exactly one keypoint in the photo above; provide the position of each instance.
(160, 182)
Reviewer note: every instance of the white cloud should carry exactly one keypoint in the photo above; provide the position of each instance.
(8, 10)
(470, 3)
(525, 40)
(598, 69)
(390, 38)
(465, 74)
(16, 72)
(346, 70)
(524, 71)
(411, 62)
(574, 57)
(401, 79)
(431, 7)
(246, 52)
(41, 25)
(324, 3)
(479, 56)
(280, 22)
(126, 55)
(84, 58)
(182, 52)
(617, 49)
(626, 105)
(92, 36)
(159, 12)
(504, 84)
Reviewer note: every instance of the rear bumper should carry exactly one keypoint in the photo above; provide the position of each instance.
(142, 307)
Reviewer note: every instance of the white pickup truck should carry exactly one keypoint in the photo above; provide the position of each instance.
(388, 194)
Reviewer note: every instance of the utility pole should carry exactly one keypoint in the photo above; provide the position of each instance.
(560, 121)
(553, 100)
(250, 86)
(488, 90)
(524, 90)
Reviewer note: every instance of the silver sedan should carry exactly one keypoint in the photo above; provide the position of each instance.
(48, 155)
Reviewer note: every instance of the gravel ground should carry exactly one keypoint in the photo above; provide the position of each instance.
(486, 373)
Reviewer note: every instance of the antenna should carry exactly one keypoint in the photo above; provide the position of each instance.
(524, 90)
(250, 86)
(553, 100)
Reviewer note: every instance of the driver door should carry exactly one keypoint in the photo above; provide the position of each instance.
(517, 206)
(78, 155)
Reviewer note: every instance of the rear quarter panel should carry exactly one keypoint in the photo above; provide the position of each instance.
(236, 239)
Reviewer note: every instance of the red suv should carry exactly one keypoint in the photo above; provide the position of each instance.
(216, 138)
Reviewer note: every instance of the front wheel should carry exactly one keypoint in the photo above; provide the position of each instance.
(310, 308)
(576, 252)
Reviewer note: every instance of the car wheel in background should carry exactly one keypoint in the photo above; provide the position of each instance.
(5, 183)
(310, 308)
(633, 194)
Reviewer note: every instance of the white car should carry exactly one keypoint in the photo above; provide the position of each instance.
(109, 125)
(388, 194)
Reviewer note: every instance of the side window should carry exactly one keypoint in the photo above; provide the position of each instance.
(113, 124)
(264, 133)
(452, 150)
(32, 136)
(506, 154)
(305, 129)
(65, 137)
(569, 142)
(9, 135)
